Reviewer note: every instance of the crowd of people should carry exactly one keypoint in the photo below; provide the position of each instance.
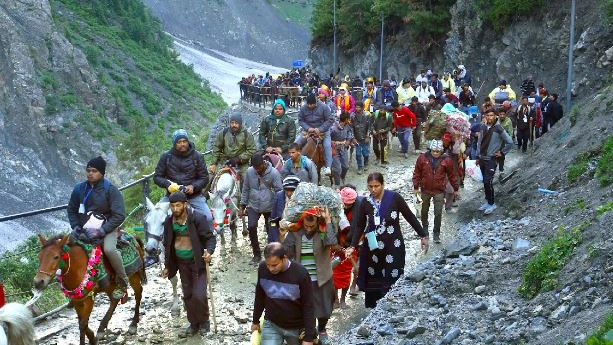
(310, 265)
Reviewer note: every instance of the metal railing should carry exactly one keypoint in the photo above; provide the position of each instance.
(294, 96)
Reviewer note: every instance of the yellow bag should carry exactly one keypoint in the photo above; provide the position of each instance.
(256, 336)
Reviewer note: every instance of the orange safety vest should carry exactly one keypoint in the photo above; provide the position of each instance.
(368, 99)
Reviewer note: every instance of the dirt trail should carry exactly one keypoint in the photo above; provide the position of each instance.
(234, 283)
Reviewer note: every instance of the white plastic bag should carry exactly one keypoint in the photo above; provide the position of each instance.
(473, 170)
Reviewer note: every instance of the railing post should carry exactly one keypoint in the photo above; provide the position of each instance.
(145, 190)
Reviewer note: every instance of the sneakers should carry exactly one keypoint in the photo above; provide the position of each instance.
(323, 338)
(205, 328)
(437, 238)
(384, 163)
(483, 206)
(360, 171)
(405, 155)
(326, 171)
(489, 209)
(188, 331)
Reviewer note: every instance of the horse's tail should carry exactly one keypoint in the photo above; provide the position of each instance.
(18, 319)
(141, 253)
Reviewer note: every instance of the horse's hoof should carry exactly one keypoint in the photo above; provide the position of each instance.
(132, 330)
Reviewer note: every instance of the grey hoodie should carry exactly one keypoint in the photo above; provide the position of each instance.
(259, 191)
(500, 141)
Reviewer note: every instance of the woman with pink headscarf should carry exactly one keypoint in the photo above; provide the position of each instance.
(341, 274)
(324, 96)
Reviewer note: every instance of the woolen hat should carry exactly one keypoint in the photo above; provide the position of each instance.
(436, 145)
(97, 163)
(177, 196)
(238, 118)
(178, 135)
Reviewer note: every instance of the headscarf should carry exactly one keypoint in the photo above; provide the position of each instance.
(348, 195)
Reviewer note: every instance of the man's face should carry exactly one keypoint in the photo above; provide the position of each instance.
(490, 118)
(177, 208)
(260, 169)
(342, 92)
(370, 86)
(310, 224)
(294, 155)
(447, 93)
(93, 175)
(436, 153)
(182, 145)
(322, 97)
(289, 193)
(524, 101)
(551, 98)
(424, 84)
(502, 87)
(275, 265)
(434, 78)
(279, 110)
(234, 126)
(358, 108)
(502, 115)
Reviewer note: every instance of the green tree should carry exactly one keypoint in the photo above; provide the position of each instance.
(322, 19)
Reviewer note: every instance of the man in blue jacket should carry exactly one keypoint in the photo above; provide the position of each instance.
(315, 119)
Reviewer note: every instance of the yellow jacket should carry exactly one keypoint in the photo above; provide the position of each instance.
(498, 89)
(405, 94)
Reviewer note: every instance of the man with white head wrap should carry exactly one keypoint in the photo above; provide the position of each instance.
(432, 171)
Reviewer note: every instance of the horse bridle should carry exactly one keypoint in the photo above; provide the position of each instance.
(51, 275)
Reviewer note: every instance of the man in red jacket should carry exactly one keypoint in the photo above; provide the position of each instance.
(404, 123)
(432, 170)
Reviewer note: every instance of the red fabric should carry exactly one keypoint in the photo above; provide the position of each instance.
(434, 182)
(404, 118)
(341, 274)
(2, 299)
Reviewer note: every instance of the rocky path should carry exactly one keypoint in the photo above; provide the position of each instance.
(233, 284)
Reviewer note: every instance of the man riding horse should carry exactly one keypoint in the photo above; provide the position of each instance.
(97, 198)
(234, 145)
(315, 120)
(277, 131)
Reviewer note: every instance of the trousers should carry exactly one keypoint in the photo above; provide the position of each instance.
(362, 151)
(112, 254)
(404, 134)
(379, 145)
(438, 200)
(340, 165)
(488, 169)
(275, 335)
(252, 225)
(193, 283)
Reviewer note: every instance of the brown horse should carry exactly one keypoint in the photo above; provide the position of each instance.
(314, 149)
(73, 274)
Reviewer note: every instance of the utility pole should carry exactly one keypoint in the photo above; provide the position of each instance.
(334, 45)
(571, 44)
(381, 57)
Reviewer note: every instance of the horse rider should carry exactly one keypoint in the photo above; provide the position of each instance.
(299, 165)
(315, 119)
(183, 168)
(189, 242)
(261, 183)
(277, 131)
(234, 145)
(97, 197)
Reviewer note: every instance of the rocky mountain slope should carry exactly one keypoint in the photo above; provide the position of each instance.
(247, 29)
(83, 79)
(536, 43)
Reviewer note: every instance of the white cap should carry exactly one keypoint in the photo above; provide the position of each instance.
(461, 67)
(436, 145)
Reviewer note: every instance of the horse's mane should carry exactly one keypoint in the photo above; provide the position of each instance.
(53, 239)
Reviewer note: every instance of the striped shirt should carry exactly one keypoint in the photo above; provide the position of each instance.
(307, 257)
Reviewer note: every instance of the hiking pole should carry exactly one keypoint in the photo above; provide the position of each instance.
(210, 288)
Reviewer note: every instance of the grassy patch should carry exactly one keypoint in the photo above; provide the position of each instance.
(499, 13)
(602, 209)
(604, 334)
(577, 204)
(578, 168)
(298, 11)
(604, 170)
(574, 114)
(541, 273)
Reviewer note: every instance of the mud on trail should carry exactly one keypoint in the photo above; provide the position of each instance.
(233, 281)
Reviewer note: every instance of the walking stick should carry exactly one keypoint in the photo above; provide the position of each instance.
(210, 288)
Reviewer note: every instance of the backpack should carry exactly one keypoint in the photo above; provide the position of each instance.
(436, 125)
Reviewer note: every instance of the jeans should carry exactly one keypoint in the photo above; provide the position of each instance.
(379, 145)
(327, 146)
(275, 335)
(362, 150)
(340, 165)
(438, 200)
(193, 284)
(252, 225)
(112, 254)
(404, 134)
(199, 204)
(488, 168)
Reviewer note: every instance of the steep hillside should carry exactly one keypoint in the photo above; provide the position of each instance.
(493, 39)
(81, 79)
(248, 29)
(537, 271)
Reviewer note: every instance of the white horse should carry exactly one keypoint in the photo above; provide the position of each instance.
(224, 203)
(154, 232)
(18, 321)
